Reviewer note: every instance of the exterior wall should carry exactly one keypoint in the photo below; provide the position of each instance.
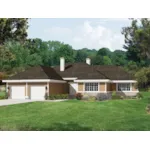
(108, 87)
(102, 87)
(80, 87)
(15, 84)
(113, 87)
(54, 88)
(73, 88)
(58, 88)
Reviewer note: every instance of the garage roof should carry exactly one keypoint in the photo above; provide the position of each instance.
(38, 72)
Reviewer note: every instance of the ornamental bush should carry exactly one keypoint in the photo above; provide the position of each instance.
(79, 96)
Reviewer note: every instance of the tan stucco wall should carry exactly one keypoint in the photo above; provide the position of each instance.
(58, 88)
(101, 86)
(80, 87)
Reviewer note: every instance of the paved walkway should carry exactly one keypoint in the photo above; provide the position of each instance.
(19, 101)
(11, 102)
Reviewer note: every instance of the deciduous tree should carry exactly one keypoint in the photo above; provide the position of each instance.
(13, 29)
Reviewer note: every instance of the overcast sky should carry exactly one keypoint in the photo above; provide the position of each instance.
(80, 33)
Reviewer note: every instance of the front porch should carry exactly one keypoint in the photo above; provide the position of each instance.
(124, 87)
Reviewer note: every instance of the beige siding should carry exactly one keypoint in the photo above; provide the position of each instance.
(58, 88)
(101, 86)
(80, 87)
(134, 87)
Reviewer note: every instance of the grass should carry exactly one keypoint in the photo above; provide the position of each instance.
(76, 115)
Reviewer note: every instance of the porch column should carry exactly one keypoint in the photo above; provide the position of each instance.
(6, 86)
(105, 87)
(7, 90)
(26, 91)
(130, 86)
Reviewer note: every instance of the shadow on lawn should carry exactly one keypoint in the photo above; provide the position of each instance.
(57, 127)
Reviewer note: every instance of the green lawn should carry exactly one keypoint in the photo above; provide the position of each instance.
(77, 115)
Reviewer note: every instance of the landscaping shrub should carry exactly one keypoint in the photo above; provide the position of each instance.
(64, 96)
(122, 97)
(58, 96)
(88, 98)
(148, 89)
(3, 95)
(79, 96)
(140, 95)
(2, 88)
(46, 96)
(92, 99)
(148, 108)
(85, 97)
(116, 96)
(51, 97)
(103, 96)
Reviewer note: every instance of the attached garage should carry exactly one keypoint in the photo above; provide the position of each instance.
(34, 83)
(18, 92)
(37, 92)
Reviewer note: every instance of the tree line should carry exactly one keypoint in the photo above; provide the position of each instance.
(17, 52)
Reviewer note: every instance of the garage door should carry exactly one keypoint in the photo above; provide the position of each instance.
(38, 92)
(18, 92)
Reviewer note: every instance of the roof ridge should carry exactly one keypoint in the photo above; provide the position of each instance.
(44, 70)
(49, 67)
(99, 72)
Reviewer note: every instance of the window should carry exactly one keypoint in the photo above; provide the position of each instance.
(91, 86)
(123, 86)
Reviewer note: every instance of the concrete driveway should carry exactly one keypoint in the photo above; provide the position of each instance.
(19, 101)
(11, 102)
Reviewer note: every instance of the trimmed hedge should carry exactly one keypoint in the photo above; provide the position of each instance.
(3, 95)
(57, 96)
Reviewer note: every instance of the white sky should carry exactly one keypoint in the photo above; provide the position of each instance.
(80, 33)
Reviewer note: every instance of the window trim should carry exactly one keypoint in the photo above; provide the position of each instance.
(91, 91)
(124, 91)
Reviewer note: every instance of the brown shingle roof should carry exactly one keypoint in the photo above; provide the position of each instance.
(114, 72)
(80, 70)
(38, 72)
(85, 71)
